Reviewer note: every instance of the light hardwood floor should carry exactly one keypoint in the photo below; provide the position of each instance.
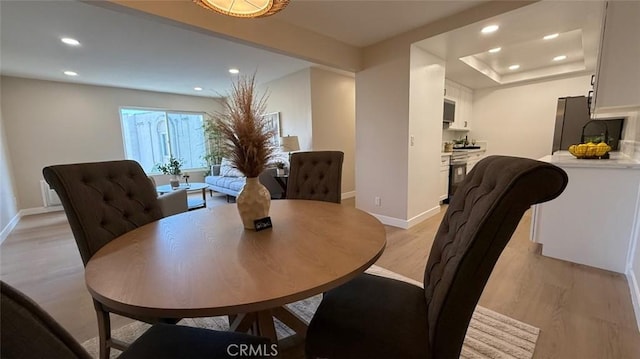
(582, 312)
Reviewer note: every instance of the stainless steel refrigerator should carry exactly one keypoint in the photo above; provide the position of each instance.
(572, 115)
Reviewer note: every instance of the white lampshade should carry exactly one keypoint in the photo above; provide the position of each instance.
(289, 144)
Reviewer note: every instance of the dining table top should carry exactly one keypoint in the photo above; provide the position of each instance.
(204, 263)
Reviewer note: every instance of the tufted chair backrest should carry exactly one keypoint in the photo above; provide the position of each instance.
(480, 220)
(103, 200)
(316, 175)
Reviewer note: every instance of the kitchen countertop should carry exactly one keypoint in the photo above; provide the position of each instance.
(617, 160)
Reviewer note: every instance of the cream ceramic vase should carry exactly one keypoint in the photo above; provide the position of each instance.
(253, 202)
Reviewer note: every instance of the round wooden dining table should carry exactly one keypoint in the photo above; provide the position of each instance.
(204, 263)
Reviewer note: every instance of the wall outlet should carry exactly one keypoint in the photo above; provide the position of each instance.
(377, 201)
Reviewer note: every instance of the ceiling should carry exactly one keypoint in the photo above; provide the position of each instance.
(121, 49)
(520, 38)
(366, 22)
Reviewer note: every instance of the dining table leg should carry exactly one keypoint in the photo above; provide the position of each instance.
(241, 322)
(265, 327)
(292, 320)
(261, 323)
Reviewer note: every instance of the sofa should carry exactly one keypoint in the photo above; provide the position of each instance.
(228, 180)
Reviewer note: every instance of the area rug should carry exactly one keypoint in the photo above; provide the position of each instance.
(490, 334)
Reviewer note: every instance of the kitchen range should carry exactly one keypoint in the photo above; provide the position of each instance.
(463, 158)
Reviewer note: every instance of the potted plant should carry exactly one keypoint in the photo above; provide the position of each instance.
(246, 140)
(173, 168)
(215, 150)
(448, 146)
(279, 168)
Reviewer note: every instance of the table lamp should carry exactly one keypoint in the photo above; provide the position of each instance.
(289, 144)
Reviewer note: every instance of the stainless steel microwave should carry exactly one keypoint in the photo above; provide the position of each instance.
(449, 112)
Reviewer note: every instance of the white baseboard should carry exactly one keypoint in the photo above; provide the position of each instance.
(25, 212)
(634, 288)
(346, 195)
(404, 223)
(9, 227)
(39, 210)
(424, 215)
(392, 221)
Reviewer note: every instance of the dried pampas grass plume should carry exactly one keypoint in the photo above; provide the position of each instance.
(246, 134)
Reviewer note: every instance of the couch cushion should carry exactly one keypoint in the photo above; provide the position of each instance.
(228, 170)
(233, 183)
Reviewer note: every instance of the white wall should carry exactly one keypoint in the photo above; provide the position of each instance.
(333, 103)
(633, 273)
(291, 96)
(52, 122)
(633, 268)
(382, 127)
(519, 120)
(318, 106)
(425, 125)
(382, 115)
(618, 90)
(8, 205)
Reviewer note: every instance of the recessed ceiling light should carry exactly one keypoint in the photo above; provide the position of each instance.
(551, 36)
(69, 41)
(495, 49)
(490, 29)
(197, 88)
(71, 73)
(514, 67)
(560, 58)
(234, 71)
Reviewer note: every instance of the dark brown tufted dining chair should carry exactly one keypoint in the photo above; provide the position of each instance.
(316, 175)
(28, 332)
(376, 317)
(103, 200)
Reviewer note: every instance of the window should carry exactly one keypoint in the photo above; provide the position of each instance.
(152, 136)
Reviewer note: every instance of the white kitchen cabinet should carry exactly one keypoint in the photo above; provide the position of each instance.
(463, 97)
(444, 176)
(473, 158)
(617, 85)
(592, 221)
(451, 90)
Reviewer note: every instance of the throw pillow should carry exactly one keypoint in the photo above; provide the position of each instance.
(227, 169)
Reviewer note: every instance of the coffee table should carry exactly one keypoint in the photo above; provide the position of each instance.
(193, 203)
(204, 263)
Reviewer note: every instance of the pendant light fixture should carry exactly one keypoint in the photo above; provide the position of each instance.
(244, 8)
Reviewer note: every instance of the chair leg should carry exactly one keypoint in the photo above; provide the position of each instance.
(104, 331)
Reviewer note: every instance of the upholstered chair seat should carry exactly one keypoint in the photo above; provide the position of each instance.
(373, 317)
